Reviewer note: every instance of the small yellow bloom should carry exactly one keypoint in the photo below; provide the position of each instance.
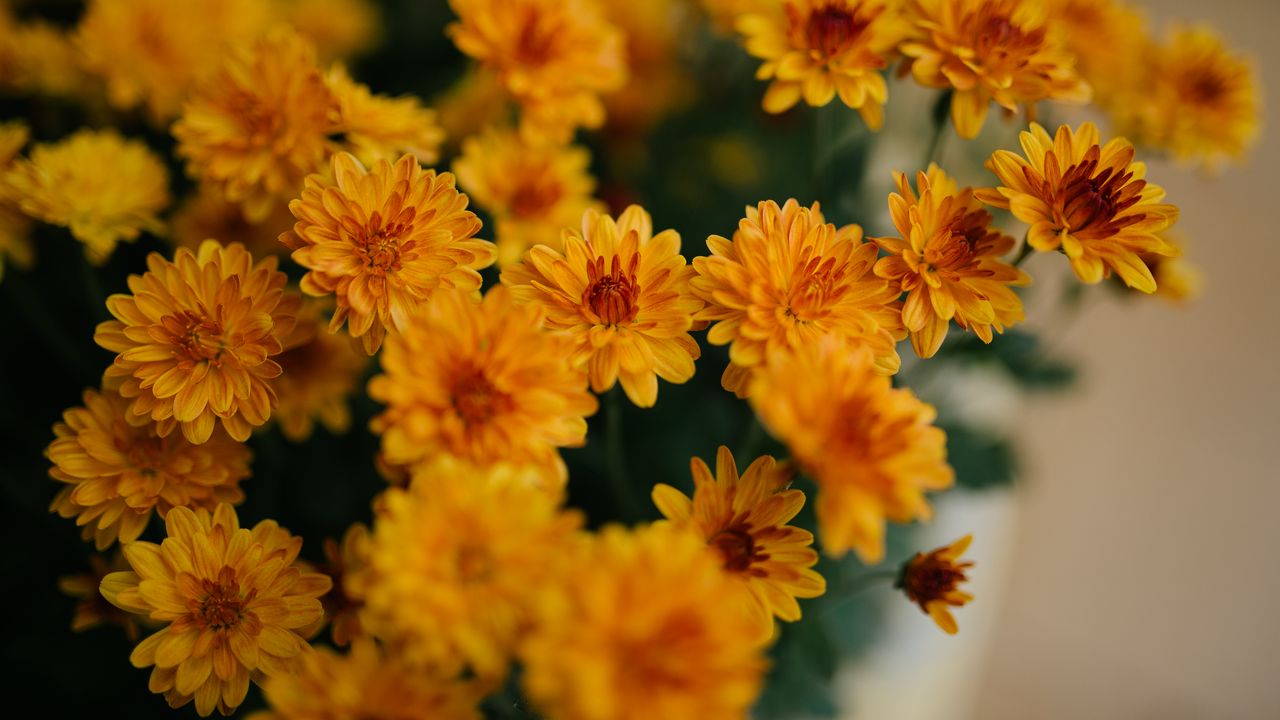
(206, 214)
(932, 581)
(105, 188)
(382, 128)
(233, 599)
(745, 520)
(338, 28)
(1109, 40)
(15, 227)
(872, 449)
(320, 371)
(93, 610)
(1090, 200)
(622, 295)
(1177, 279)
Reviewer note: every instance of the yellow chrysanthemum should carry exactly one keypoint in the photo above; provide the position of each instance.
(872, 449)
(196, 338)
(787, 278)
(1108, 38)
(818, 49)
(554, 56)
(207, 214)
(932, 581)
(622, 295)
(1090, 200)
(947, 260)
(338, 28)
(1004, 51)
(745, 520)
(533, 191)
(657, 83)
(15, 227)
(118, 474)
(105, 188)
(369, 684)
(342, 561)
(93, 610)
(43, 59)
(376, 128)
(483, 383)
(724, 14)
(320, 371)
(641, 631)
(475, 100)
(383, 241)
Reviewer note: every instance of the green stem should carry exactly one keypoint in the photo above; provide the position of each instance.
(1023, 253)
(615, 448)
(859, 584)
(941, 111)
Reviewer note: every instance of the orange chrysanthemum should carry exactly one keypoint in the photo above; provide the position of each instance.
(787, 278)
(233, 599)
(1108, 38)
(1089, 200)
(207, 214)
(483, 383)
(383, 241)
(932, 581)
(990, 50)
(872, 449)
(15, 227)
(195, 341)
(93, 610)
(640, 631)
(338, 28)
(947, 260)
(532, 191)
(118, 473)
(1177, 279)
(320, 372)
(622, 295)
(745, 520)
(658, 83)
(376, 128)
(818, 49)
(342, 561)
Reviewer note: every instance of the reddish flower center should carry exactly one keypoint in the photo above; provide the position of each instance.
(222, 607)
(930, 578)
(818, 285)
(195, 338)
(831, 28)
(612, 296)
(1205, 88)
(533, 199)
(1090, 200)
(533, 46)
(378, 244)
(737, 547)
(476, 400)
(144, 454)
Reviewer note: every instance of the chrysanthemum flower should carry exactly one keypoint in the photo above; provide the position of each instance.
(118, 474)
(990, 50)
(818, 49)
(554, 56)
(105, 188)
(1177, 279)
(367, 683)
(455, 561)
(320, 373)
(622, 295)
(872, 449)
(1108, 38)
(207, 214)
(15, 227)
(1089, 200)
(344, 560)
(475, 100)
(43, 59)
(93, 610)
(338, 28)
(932, 581)
(376, 128)
(533, 191)
(233, 598)
(787, 278)
(745, 520)
(259, 124)
(483, 383)
(196, 338)
(658, 82)
(641, 632)
(947, 260)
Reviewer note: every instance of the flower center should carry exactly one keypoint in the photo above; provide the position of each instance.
(143, 454)
(932, 580)
(737, 547)
(378, 243)
(831, 28)
(820, 286)
(612, 297)
(533, 199)
(1090, 200)
(476, 400)
(195, 338)
(1205, 88)
(222, 608)
(533, 46)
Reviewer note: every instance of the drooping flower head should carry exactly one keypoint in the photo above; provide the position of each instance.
(483, 382)
(818, 49)
(788, 278)
(196, 338)
(640, 631)
(622, 295)
(745, 520)
(233, 599)
(376, 128)
(105, 188)
(932, 581)
(1001, 51)
(872, 449)
(93, 610)
(533, 191)
(1108, 39)
(118, 474)
(383, 241)
(947, 259)
(320, 371)
(1090, 200)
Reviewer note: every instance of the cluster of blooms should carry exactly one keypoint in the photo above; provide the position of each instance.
(474, 562)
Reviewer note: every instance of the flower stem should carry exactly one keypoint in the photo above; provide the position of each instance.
(866, 581)
(941, 110)
(1023, 253)
(616, 457)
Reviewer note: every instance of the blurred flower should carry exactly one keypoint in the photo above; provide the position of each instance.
(622, 294)
(233, 599)
(725, 13)
(483, 383)
(1177, 279)
(383, 241)
(476, 100)
(105, 188)
(947, 260)
(641, 631)
(745, 520)
(1089, 200)
(369, 684)
(788, 278)
(343, 561)
(93, 610)
(533, 191)
(338, 28)
(43, 60)
(1109, 39)
(818, 49)
(375, 127)
(872, 449)
(1004, 51)
(15, 227)
(196, 338)
(455, 562)
(206, 215)
(657, 83)
(932, 581)
(117, 473)
(320, 371)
